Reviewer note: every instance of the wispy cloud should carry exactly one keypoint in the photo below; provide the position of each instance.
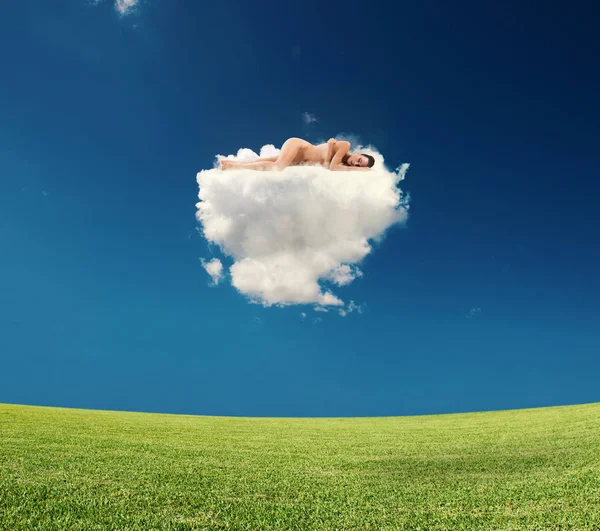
(352, 307)
(297, 234)
(353, 138)
(309, 118)
(473, 312)
(123, 7)
(215, 269)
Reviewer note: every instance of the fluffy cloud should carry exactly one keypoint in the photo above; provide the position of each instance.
(294, 235)
(344, 274)
(215, 269)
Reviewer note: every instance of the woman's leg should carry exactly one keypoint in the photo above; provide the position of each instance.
(260, 164)
(288, 154)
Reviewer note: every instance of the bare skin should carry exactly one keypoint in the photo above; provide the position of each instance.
(295, 152)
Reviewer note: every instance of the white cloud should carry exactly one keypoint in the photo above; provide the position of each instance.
(344, 274)
(125, 6)
(215, 269)
(353, 138)
(309, 118)
(291, 233)
(401, 171)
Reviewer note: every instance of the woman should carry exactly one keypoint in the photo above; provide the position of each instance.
(295, 151)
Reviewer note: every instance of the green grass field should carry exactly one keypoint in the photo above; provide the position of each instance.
(535, 469)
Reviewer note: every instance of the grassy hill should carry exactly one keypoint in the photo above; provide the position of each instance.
(535, 469)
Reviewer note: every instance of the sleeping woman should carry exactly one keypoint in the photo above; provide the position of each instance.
(295, 151)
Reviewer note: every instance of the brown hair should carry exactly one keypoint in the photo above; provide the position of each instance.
(370, 160)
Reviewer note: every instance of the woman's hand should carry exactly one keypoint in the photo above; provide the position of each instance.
(331, 141)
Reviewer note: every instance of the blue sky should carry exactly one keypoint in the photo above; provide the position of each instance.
(487, 299)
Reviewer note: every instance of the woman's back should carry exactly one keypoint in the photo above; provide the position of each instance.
(315, 154)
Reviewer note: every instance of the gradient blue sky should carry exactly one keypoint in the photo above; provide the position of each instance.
(105, 120)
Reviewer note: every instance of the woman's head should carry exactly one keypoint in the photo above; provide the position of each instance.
(360, 159)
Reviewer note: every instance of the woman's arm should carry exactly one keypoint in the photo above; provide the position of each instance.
(341, 149)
